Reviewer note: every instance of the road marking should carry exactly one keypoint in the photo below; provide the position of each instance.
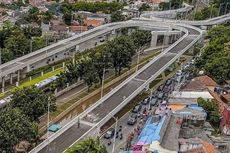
(87, 123)
(140, 80)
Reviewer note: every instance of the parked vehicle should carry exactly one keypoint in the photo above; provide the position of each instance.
(132, 119)
(137, 108)
(153, 101)
(110, 133)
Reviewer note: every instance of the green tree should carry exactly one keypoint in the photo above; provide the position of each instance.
(212, 109)
(32, 101)
(17, 43)
(117, 16)
(88, 146)
(145, 7)
(121, 49)
(30, 32)
(6, 55)
(38, 43)
(15, 127)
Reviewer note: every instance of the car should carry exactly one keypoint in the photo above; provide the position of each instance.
(161, 95)
(110, 133)
(145, 101)
(153, 101)
(137, 108)
(132, 119)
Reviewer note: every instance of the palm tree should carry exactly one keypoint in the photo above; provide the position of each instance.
(90, 145)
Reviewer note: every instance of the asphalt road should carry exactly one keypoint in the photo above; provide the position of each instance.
(114, 100)
(66, 139)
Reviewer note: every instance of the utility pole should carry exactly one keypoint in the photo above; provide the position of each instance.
(226, 8)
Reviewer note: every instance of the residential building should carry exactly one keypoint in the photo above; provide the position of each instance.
(201, 83)
(225, 121)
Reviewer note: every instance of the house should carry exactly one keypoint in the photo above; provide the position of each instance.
(78, 29)
(60, 29)
(195, 145)
(193, 94)
(225, 121)
(37, 3)
(93, 23)
(201, 83)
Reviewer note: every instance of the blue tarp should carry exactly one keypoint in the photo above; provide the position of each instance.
(150, 132)
(196, 107)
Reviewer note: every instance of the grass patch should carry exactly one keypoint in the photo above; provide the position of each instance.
(32, 82)
(154, 82)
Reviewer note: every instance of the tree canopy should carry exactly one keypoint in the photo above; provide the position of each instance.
(15, 127)
(15, 41)
(89, 145)
(215, 60)
(115, 54)
(32, 101)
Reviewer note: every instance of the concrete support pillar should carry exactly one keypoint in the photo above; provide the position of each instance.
(18, 77)
(3, 84)
(167, 39)
(11, 78)
(154, 39)
(28, 68)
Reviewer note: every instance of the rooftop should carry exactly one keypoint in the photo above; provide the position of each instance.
(192, 94)
(207, 81)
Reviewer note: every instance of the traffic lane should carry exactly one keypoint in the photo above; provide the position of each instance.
(42, 53)
(187, 40)
(67, 138)
(126, 130)
(113, 101)
(156, 66)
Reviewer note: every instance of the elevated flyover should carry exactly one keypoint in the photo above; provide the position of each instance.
(94, 117)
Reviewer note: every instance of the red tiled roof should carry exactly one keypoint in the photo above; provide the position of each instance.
(94, 23)
(78, 28)
(206, 80)
(227, 97)
(208, 147)
(195, 85)
(218, 99)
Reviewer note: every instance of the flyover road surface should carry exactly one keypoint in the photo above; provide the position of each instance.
(95, 116)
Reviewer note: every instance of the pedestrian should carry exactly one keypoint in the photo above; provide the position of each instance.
(121, 136)
(109, 143)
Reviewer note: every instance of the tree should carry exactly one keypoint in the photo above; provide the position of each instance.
(212, 110)
(117, 16)
(121, 51)
(145, 7)
(32, 101)
(17, 43)
(15, 127)
(6, 55)
(88, 146)
(38, 43)
(30, 32)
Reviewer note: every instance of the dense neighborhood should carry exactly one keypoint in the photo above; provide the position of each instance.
(106, 76)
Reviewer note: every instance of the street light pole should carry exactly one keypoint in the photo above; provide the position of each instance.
(114, 138)
(220, 9)
(211, 11)
(138, 59)
(102, 82)
(226, 7)
(151, 94)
